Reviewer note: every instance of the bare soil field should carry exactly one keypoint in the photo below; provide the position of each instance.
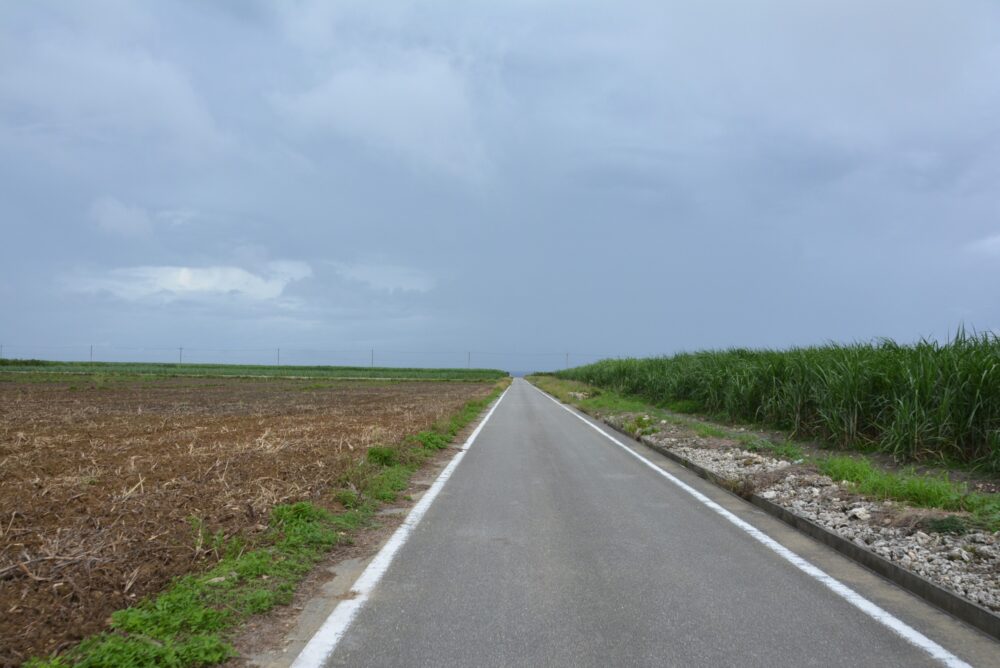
(108, 491)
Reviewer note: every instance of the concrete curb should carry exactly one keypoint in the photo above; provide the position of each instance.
(950, 602)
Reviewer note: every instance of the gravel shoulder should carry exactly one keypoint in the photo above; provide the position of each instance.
(967, 564)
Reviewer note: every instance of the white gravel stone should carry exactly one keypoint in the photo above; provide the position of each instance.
(859, 514)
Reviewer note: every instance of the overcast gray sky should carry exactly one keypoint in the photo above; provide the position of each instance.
(607, 178)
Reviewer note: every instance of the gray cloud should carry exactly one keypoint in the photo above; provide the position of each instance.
(116, 217)
(411, 104)
(389, 278)
(68, 88)
(171, 283)
(519, 177)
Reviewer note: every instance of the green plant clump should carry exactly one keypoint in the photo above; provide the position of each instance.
(383, 456)
(641, 425)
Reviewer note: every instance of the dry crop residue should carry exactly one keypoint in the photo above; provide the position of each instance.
(98, 486)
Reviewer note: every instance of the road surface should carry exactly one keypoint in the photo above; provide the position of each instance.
(552, 546)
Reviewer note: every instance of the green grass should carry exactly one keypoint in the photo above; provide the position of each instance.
(107, 371)
(785, 450)
(189, 624)
(927, 401)
(596, 401)
(708, 430)
(921, 491)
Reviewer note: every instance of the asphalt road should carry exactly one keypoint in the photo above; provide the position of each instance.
(551, 546)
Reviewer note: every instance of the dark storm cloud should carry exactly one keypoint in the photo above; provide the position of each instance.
(530, 176)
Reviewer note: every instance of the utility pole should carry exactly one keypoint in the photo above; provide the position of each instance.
(278, 358)
(373, 358)
(180, 355)
(468, 362)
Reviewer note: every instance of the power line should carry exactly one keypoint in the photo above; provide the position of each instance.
(278, 355)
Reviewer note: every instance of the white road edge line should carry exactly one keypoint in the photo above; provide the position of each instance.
(901, 628)
(324, 641)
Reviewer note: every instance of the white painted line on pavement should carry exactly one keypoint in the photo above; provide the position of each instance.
(322, 644)
(901, 628)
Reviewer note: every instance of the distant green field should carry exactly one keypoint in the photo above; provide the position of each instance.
(9, 366)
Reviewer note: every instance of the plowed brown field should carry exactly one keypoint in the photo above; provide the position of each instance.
(99, 485)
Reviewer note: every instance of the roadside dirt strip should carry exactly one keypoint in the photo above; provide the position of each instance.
(108, 491)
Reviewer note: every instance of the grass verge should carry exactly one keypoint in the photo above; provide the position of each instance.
(190, 622)
(921, 491)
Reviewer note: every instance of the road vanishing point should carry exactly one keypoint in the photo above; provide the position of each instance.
(553, 541)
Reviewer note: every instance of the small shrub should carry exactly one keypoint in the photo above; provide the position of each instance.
(431, 440)
(640, 425)
(347, 498)
(383, 456)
